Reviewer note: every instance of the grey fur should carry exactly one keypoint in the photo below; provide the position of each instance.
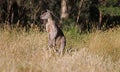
(56, 38)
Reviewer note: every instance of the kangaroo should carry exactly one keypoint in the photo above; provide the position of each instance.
(56, 38)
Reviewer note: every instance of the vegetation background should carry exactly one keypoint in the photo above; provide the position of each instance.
(91, 28)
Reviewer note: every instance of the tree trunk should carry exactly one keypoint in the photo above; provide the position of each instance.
(79, 11)
(64, 12)
(78, 27)
(100, 20)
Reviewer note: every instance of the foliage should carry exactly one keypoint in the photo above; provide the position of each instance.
(113, 11)
(111, 3)
(27, 12)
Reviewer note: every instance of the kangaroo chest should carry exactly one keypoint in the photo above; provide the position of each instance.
(51, 28)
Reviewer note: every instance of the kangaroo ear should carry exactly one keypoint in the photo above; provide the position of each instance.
(48, 10)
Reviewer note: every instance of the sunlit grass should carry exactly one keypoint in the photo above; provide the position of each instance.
(22, 51)
(106, 43)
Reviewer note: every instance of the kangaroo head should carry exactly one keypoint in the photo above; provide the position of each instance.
(46, 15)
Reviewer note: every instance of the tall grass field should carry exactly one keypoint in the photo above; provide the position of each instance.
(22, 51)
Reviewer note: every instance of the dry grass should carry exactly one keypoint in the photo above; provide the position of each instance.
(106, 44)
(27, 52)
